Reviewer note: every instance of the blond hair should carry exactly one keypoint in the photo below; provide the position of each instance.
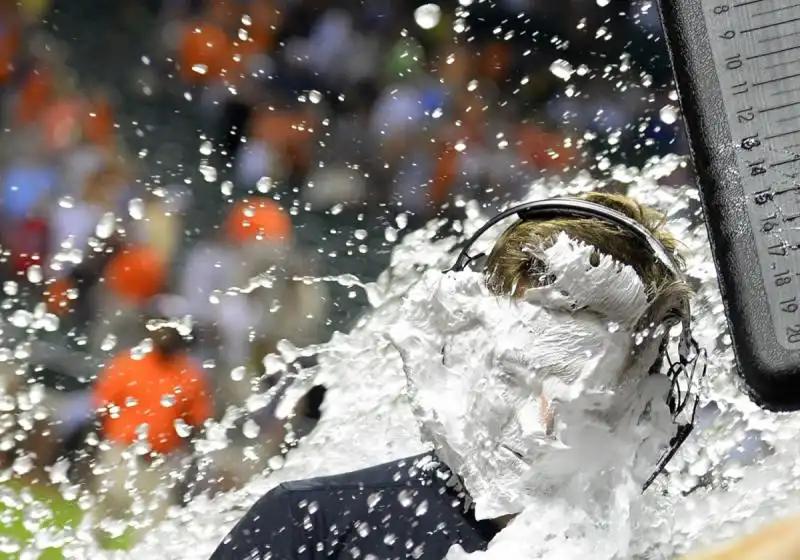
(513, 267)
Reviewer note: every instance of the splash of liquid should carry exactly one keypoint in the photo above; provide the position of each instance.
(367, 420)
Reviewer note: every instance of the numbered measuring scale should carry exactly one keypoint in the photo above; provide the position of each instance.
(737, 65)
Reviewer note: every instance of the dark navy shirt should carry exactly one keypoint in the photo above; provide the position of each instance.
(411, 508)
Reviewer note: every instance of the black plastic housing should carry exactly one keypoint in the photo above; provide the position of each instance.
(771, 372)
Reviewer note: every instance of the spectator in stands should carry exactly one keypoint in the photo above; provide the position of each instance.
(150, 407)
(9, 40)
(133, 277)
(262, 234)
(28, 185)
(138, 272)
(76, 219)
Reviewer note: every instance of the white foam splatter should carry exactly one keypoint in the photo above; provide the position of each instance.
(367, 420)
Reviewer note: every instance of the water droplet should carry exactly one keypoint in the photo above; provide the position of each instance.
(21, 318)
(264, 185)
(168, 400)
(390, 234)
(668, 114)
(10, 288)
(226, 188)
(183, 429)
(428, 16)
(200, 68)
(314, 96)
(401, 221)
(109, 342)
(373, 499)
(389, 539)
(206, 148)
(362, 528)
(105, 226)
(406, 498)
(136, 208)
(34, 274)
(246, 20)
(66, 202)
(131, 402)
(238, 373)
(48, 323)
(142, 447)
(23, 465)
(58, 472)
(209, 173)
(562, 69)
(251, 429)
(313, 507)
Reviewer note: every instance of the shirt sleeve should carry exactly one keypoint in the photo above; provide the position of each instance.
(267, 530)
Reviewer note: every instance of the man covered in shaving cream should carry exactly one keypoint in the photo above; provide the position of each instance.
(530, 377)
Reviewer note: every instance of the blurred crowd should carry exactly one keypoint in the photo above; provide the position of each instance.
(304, 106)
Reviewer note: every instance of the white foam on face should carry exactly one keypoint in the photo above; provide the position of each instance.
(543, 395)
(367, 420)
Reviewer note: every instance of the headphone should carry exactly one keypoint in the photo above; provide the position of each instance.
(689, 352)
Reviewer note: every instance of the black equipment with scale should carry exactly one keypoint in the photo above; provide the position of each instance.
(737, 67)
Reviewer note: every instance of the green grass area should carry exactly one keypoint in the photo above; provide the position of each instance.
(63, 514)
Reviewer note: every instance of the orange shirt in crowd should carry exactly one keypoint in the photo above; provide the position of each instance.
(290, 133)
(61, 121)
(98, 124)
(9, 45)
(205, 52)
(135, 274)
(495, 60)
(154, 392)
(258, 219)
(546, 150)
(36, 93)
(264, 19)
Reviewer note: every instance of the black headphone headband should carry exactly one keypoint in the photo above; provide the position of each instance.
(574, 208)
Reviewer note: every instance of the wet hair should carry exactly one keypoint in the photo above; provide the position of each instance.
(512, 265)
